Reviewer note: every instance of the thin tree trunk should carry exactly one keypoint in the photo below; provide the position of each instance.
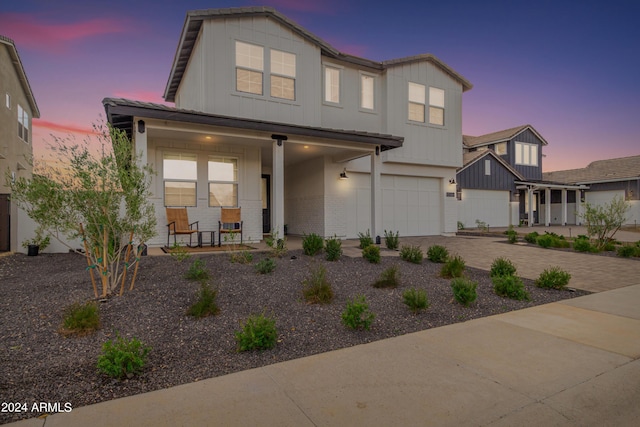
(88, 256)
(135, 270)
(126, 263)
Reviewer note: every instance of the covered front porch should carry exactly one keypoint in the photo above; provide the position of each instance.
(547, 203)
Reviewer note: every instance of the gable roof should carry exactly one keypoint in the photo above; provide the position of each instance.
(121, 112)
(620, 169)
(469, 159)
(499, 136)
(193, 23)
(22, 76)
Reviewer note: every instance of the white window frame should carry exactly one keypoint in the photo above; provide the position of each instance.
(367, 92)
(212, 181)
(487, 167)
(526, 154)
(23, 124)
(282, 71)
(436, 106)
(417, 101)
(332, 89)
(251, 63)
(180, 180)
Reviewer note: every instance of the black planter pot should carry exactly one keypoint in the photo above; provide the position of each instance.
(32, 250)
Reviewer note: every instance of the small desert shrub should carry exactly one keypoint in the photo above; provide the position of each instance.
(312, 244)
(372, 254)
(609, 246)
(278, 246)
(460, 225)
(197, 271)
(416, 299)
(628, 251)
(502, 267)
(411, 253)
(437, 253)
(512, 235)
(333, 249)
(453, 267)
(179, 253)
(357, 315)
(317, 289)
(583, 245)
(258, 333)
(531, 237)
(554, 278)
(81, 318)
(205, 305)
(552, 240)
(464, 290)
(389, 278)
(122, 358)
(243, 257)
(545, 241)
(510, 286)
(365, 240)
(266, 265)
(392, 240)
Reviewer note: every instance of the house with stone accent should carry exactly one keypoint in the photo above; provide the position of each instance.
(270, 118)
(16, 151)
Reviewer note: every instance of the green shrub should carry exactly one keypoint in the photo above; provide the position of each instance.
(460, 225)
(389, 278)
(81, 319)
(312, 244)
(365, 240)
(411, 253)
(205, 305)
(416, 299)
(392, 240)
(122, 358)
(258, 333)
(510, 286)
(372, 254)
(317, 289)
(197, 271)
(333, 249)
(628, 251)
(179, 253)
(552, 240)
(609, 246)
(502, 267)
(545, 241)
(531, 237)
(583, 245)
(266, 265)
(554, 278)
(437, 253)
(453, 267)
(278, 246)
(512, 235)
(243, 257)
(357, 314)
(464, 290)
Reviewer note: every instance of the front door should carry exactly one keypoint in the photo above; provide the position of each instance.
(5, 224)
(266, 204)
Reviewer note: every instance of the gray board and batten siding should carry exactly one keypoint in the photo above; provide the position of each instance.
(474, 176)
(528, 172)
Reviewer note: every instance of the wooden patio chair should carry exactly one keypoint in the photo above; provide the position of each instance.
(230, 222)
(178, 223)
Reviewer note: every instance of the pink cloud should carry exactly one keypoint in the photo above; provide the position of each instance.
(34, 33)
(58, 127)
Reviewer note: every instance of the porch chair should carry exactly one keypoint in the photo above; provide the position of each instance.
(230, 222)
(178, 223)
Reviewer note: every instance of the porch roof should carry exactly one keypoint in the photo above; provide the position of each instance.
(121, 112)
(539, 185)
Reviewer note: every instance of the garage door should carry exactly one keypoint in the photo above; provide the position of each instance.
(489, 206)
(602, 197)
(410, 205)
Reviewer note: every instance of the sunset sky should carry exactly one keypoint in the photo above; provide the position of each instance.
(571, 69)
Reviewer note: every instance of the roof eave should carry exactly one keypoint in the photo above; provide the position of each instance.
(22, 75)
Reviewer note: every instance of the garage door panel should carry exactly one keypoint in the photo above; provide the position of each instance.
(491, 207)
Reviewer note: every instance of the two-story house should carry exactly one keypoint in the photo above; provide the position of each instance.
(271, 118)
(16, 152)
(501, 182)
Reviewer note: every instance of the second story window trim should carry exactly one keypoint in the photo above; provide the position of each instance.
(283, 75)
(23, 124)
(436, 106)
(526, 154)
(416, 102)
(249, 68)
(332, 85)
(367, 92)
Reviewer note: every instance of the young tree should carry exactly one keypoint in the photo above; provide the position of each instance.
(603, 221)
(101, 198)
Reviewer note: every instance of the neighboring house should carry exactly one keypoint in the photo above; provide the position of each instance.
(606, 179)
(16, 152)
(269, 117)
(501, 182)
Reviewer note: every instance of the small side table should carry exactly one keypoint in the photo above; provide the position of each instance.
(212, 240)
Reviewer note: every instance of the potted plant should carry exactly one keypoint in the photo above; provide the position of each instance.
(39, 242)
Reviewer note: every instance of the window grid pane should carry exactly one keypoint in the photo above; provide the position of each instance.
(223, 169)
(416, 93)
(248, 81)
(436, 116)
(436, 97)
(178, 193)
(416, 112)
(282, 87)
(249, 56)
(283, 63)
(332, 85)
(223, 194)
(180, 166)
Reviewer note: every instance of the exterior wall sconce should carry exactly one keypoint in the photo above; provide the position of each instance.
(343, 174)
(140, 126)
(452, 181)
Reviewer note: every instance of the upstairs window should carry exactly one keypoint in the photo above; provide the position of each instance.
(332, 85)
(8, 100)
(249, 68)
(501, 148)
(283, 75)
(487, 167)
(223, 181)
(526, 154)
(416, 102)
(180, 174)
(23, 124)
(366, 92)
(436, 106)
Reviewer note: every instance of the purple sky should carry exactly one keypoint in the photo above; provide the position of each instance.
(570, 71)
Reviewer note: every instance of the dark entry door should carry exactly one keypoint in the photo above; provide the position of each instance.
(5, 223)
(266, 204)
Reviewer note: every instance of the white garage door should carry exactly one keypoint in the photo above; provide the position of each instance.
(602, 197)
(410, 205)
(488, 206)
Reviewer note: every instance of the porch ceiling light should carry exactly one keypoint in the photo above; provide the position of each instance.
(343, 174)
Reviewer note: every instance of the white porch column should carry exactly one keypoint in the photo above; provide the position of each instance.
(547, 206)
(530, 213)
(564, 206)
(376, 195)
(578, 208)
(140, 140)
(277, 197)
